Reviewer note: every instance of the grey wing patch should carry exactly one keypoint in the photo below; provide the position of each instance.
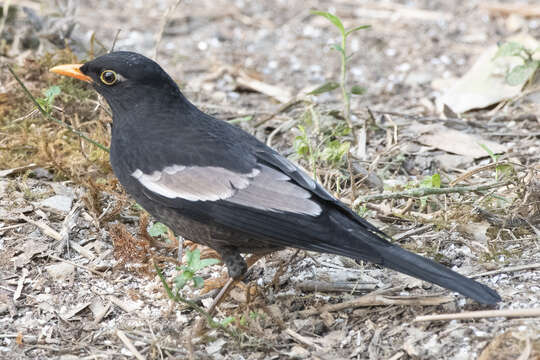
(271, 190)
(264, 188)
(195, 183)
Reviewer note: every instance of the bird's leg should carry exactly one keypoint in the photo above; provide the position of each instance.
(237, 268)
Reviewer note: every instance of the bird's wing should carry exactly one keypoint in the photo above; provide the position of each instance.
(263, 188)
(279, 202)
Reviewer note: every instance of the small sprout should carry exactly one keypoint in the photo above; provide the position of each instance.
(335, 151)
(500, 169)
(194, 263)
(342, 49)
(158, 230)
(47, 102)
(228, 320)
(510, 48)
(519, 74)
(433, 181)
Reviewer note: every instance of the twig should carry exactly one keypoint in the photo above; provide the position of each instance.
(115, 39)
(302, 339)
(411, 232)
(419, 192)
(471, 172)
(164, 21)
(129, 344)
(20, 284)
(376, 299)
(283, 126)
(339, 286)
(46, 229)
(281, 109)
(50, 117)
(508, 313)
(19, 169)
(68, 224)
(507, 9)
(397, 355)
(507, 269)
(10, 227)
(280, 94)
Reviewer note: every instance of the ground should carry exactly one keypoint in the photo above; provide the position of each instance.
(247, 62)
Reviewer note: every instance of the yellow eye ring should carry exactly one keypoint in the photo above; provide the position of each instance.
(108, 77)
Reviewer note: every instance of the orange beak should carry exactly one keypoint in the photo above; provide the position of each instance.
(71, 70)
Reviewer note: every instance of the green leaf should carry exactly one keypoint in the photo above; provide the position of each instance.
(433, 181)
(338, 48)
(189, 257)
(198, 282)
(333, 19)
(335, 151)
(326, 87)
(356, 29)
(158, 229)
(521, 73)
(358, 90)
(490, 153)
(181, 280)
(436, 181)
(205, 263)
(227, 320)
(300, 146)
(43, 103)
(195, 260)
(52, 92)
(509, 49)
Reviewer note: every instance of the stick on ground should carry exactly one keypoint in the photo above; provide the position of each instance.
(508, 313)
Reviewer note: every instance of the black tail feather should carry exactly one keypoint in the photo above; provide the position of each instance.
(406, 262)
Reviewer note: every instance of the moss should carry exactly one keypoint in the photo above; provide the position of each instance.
(31, 138)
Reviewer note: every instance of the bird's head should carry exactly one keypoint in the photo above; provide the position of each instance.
(123, 78)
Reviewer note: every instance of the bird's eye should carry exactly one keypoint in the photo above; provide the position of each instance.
(108, 77)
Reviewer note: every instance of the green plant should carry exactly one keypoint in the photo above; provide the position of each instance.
(321, 144)
(341, 48)
(193, 264)
(524, 72)
(47, 102)
(432, 181)
(158, 230)
(500, 169)
(175, 296)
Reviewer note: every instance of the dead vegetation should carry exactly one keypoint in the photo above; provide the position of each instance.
(77, 260)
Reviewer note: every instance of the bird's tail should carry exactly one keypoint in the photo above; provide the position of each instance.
(420, 267)
(369, 245)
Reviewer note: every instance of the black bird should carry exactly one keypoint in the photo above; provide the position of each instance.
(217, 185)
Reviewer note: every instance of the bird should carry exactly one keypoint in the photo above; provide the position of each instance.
(217, 185)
